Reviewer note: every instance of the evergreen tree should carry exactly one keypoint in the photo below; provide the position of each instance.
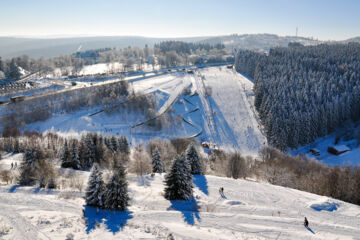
(116, 195)
(179, 180)
(90, 154)
(82, 154)
(193, 159)
(65, 156)
(74, 156)
(124, 145)
(29, 157)
(114, 144)
(96, 188)
(16, 146)
(27, 168)
(14, 72)
(156, 161)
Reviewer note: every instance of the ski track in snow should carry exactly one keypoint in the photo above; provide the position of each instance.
(227, 118)
(248, 210)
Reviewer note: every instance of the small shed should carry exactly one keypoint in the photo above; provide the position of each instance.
(315, 151)
(337, 150)
(205, 145)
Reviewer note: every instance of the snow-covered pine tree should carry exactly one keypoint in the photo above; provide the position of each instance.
(116, 195)
(179, 180)
(124, 145)
(74, 156)
(114, 144)
(27, 173)
(16, 146)
(65, 156)
(82, 154)
(193, 159)
(96, 188)
(90, 154)
(156, 161)
(29, 156)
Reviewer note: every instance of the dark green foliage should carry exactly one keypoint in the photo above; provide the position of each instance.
(193, 159)
(302, 93)
(157, 162)
(179, 180)
(116, 195)
(124, 145)
(65, 156)
(96, 188)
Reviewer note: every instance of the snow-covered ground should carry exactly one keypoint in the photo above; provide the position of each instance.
(230, 109)
(210, 118)
(352, 157)
(247, 210)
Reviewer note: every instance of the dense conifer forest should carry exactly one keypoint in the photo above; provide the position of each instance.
(302, 93)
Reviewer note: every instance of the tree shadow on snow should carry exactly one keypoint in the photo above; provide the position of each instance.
(13, 188)
(144, 181)
(113, 220)
(310, 230)
(189, 210)
(201, 182)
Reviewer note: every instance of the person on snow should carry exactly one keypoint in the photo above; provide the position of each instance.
(306, 222)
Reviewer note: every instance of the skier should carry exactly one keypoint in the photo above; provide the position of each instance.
(221, 191)
(306, 222)
(12, 166)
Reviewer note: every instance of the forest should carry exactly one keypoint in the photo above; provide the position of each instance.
(304, 92)
(164, 54)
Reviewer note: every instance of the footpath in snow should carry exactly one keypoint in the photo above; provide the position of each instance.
(247, 210)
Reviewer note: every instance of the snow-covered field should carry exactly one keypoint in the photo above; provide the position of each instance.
(247, 210)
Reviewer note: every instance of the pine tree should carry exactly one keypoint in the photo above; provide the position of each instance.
(16, 146)
(65, 156)
(74, 156)
(156, 161)
(116, 195)
(124, 145)
(114, 144)
(82, 154)
(90, 154)
(193, 159)
(179, 180)
(14, 72)
(96, 188)
(29, 157)
(27, 168)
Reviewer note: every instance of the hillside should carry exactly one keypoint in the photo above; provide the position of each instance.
(52, 47)
(208, 117)
(247, 210)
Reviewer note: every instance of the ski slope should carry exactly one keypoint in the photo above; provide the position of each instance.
(225, 118)
(247, 210)
(232, 121)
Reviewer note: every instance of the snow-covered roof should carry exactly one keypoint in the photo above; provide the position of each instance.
(341, 148)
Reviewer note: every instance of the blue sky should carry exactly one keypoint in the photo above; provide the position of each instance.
(322, 19)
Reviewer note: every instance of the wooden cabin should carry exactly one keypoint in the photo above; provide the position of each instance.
(337, 150)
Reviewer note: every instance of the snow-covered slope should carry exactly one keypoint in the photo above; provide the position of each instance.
(226, 117)
(231, 115)
(247, 210)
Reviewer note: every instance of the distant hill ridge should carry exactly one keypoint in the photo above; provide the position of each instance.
(51, 47)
